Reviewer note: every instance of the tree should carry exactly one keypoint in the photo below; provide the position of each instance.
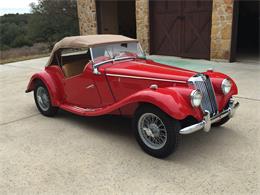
(49, 21)
(13, 31)
(53, 20)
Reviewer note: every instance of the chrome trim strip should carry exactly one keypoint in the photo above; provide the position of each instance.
(140, 47)
(85, 109)
(90, 86)
(124, 58)
(103, 62)
(145, 78)
(91, 54)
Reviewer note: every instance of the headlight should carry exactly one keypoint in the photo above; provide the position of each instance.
(226, 86)
(196, 97)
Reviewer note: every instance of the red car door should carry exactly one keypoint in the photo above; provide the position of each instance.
(81, 91)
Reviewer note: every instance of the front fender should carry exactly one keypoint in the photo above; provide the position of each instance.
(175, 101)
(172, 100)
(216, 79)
(47, 80)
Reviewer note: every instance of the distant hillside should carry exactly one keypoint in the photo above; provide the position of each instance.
(49, 21)
(14, 31)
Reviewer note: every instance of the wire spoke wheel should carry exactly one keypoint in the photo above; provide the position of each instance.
(152, 131)
(43, 98)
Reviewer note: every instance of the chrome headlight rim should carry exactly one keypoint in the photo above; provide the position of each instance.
(196, 95)
(226, 86)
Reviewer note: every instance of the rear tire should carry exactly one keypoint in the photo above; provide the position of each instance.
(43, 101)
(156, 132)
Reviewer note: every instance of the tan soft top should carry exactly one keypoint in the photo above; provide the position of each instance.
(88, 41)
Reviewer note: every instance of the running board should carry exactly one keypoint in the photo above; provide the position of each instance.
(81, 111)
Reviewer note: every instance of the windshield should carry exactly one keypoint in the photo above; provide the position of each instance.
(116, 52)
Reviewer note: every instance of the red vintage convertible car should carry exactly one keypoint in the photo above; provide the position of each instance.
(109, 74)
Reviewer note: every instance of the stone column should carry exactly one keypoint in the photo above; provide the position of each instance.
(221, 30)
(142, 24)
(87, 17)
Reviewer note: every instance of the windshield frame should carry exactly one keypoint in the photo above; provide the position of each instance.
(95, 65)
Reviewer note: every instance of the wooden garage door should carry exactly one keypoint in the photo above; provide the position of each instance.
(181, 28)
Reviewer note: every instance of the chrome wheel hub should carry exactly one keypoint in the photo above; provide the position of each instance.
(155, 129)
(43, 98)
(152, 131)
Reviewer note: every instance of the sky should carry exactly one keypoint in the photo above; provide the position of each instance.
(15, 6)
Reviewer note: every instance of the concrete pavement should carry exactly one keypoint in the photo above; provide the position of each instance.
(69, 154)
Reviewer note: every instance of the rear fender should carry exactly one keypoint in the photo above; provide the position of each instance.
(49, 83)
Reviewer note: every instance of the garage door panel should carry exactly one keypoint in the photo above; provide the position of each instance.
(174, 6)
(197, 29)
(196, 40)
(181, 28)
(197, 5)
(165, 36)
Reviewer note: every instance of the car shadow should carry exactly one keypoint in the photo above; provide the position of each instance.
(190, 146)
(112, 124)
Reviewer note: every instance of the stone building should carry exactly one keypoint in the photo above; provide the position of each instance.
(204, 29)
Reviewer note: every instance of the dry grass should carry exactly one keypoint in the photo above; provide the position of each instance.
(24, 53)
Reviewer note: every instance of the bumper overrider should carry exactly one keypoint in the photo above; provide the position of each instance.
(205, 124)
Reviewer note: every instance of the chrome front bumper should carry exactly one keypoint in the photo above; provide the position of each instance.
(205, 124)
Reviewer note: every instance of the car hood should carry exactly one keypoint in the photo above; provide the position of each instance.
(149, 69)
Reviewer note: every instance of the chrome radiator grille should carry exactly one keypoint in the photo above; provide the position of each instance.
(203, 83)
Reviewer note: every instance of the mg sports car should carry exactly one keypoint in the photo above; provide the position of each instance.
(109, 74)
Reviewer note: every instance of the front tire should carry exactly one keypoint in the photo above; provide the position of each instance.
(43, 101)
(155, 131)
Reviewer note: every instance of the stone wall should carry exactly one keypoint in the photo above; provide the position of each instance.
(88, 21)
(87, 17)
(142, 23)
(221, 30)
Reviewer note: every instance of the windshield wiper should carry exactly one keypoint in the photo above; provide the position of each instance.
(112, 60)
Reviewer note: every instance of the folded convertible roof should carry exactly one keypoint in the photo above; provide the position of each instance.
(88, 41)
